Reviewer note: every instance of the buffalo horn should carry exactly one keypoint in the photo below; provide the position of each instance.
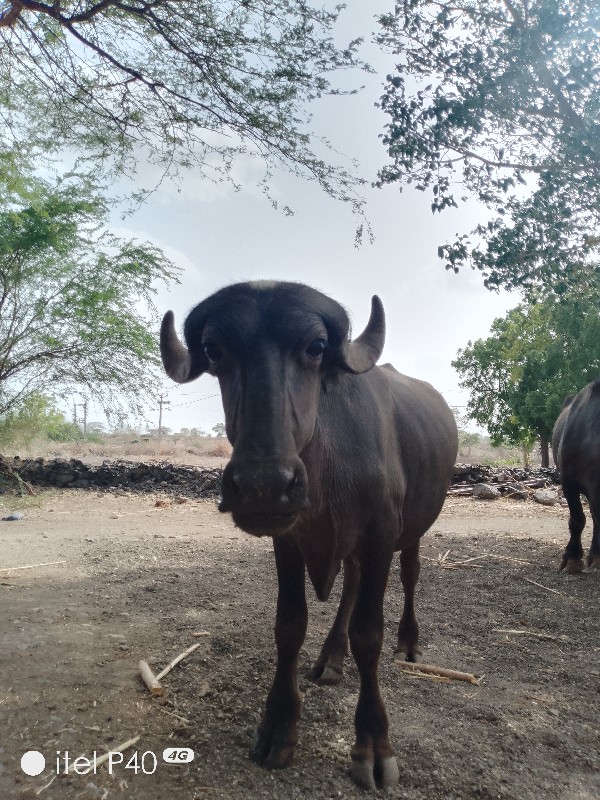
(363, 353)
(175, 357)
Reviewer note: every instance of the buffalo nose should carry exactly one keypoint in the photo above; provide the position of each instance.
(258, 483)
(264, 487)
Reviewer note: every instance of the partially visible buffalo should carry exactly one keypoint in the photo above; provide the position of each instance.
(576, 450)
(338, 461)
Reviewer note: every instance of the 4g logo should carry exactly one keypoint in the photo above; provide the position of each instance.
(178, 755)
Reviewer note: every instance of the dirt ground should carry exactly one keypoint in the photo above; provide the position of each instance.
(135, 581)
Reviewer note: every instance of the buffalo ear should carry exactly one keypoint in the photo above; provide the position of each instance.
(177, 360)
(362, 354)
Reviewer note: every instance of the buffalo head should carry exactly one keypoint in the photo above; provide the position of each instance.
(274, 347)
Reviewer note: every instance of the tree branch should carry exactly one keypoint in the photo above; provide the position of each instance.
(9, 17)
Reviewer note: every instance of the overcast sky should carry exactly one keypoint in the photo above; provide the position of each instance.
(218, 236)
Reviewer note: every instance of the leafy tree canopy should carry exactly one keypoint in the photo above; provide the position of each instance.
(535, 356)
(502, 98)
(175, 82)
(76, 302)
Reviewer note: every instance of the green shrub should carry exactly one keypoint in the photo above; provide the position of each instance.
(38, 418)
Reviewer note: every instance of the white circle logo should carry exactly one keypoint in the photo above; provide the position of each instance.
(33, 763)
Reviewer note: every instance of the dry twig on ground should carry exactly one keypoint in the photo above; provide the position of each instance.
(547, 588)
(32, 566)
(152, 681)
(519, 632)
(438, 672)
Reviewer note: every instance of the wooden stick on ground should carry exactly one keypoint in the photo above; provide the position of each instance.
(32, 566)
(442, 560)
(440, 672)
(176, 716)
(46, 786)
(119, 749)
(175, 661)
(510, 558)
(547, 588)
(125, 746)
(425, 676)
(150, 679)
(465, 561)
(547, 636)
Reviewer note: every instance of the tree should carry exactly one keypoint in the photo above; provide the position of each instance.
(76, 304)
(502, 97)
(219, 429)
(176, 82)
(466, 438)
(536, 355)
(32, 419)
(192, 432)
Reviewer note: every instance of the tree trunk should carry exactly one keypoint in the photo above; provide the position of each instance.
(545, 451)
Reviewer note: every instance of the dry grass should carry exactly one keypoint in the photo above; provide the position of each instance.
(180, 449)
(194, 450)
(221, 449)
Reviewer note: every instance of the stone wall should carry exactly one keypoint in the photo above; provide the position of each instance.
(59, 473)
(195, 482)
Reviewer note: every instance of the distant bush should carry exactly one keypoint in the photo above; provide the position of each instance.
(28, 421)
(220, 450)
(63, 431)
(37, 418)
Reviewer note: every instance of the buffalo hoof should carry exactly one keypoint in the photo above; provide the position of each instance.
(269, 753)
(571, 566)
(593, 562)
(381, 774)
(328, 674)
(411, 652)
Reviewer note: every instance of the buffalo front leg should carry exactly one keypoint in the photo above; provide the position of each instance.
(373, 761)
(277, 736)
(329, 667)
(408, 630)
(572, 559)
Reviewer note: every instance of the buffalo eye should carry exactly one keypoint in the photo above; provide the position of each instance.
(316, 349)
(213, 352)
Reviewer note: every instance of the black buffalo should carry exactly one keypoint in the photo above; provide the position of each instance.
(338, 461)
(576, 450)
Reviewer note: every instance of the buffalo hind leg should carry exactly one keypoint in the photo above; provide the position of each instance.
(328, 669)
(572, 558)
(277, 736)
(373, 761)
(593, 558)
(408, 630)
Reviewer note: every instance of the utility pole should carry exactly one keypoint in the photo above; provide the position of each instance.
(84, 406)
(85, 409)
(161, 402)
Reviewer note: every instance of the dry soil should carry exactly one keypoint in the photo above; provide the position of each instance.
(135, 580)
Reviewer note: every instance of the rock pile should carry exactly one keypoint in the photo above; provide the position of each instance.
(488, 483)
(131, 476)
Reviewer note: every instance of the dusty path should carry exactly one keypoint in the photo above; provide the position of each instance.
(137, 580)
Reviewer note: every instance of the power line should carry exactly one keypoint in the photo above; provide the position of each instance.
(193, 402)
